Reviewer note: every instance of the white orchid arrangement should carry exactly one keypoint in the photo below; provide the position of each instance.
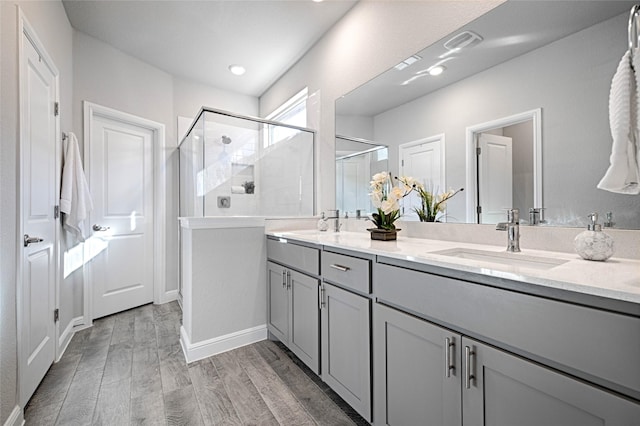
(386, 198)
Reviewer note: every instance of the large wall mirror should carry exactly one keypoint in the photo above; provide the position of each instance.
(535, 73)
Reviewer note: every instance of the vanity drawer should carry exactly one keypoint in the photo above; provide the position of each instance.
(296, 256)
(347, 271)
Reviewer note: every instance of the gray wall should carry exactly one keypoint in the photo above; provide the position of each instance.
(54, 31)
(571, 84)
(228, 292)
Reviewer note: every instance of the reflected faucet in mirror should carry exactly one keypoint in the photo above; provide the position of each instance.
(335, 214)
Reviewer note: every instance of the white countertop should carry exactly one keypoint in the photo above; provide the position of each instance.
(616, 278)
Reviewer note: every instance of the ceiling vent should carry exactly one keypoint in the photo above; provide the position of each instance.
(410, 60)
(463, 40)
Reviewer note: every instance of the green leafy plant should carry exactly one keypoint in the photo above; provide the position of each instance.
(431, 205)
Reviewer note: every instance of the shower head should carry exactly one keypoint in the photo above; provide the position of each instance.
(226, 140)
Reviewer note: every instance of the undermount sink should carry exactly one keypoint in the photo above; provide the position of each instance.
(503, 258)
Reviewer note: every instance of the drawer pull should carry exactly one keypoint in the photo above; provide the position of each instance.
(449, 345)
(469, 376)
(340, 267)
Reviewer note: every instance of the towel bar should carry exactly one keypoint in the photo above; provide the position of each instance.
(633, 28)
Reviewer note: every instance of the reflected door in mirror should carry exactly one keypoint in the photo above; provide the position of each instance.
(495, 181)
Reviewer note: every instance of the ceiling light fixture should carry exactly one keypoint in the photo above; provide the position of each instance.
(237, 69)
(433, 68)
(437, 70)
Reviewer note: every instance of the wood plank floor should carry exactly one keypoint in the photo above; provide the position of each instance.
(128, 369)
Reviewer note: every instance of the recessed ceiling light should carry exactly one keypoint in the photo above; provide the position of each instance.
(318, 1)
(437, 70)
(237, 69)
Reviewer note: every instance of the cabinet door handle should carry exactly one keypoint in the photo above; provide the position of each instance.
(469, 369)
(450, 345)
(288, 279)
(284, 278)
(321, 298)
(340, 267)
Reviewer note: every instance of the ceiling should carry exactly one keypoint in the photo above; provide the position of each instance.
(199, 40)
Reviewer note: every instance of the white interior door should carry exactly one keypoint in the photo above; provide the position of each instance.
(495, 177)
(121, 174)
(38, 199)
(423, 162)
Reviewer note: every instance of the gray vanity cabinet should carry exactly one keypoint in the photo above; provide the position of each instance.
(345, 324)
(346, 354)
(292, 299)
(501, 389)
(426, 374)
(524, 373)
(417, 371)
(277, 302)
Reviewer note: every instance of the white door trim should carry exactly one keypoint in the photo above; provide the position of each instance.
(24, 27)
(91, 110)
(471, 189)
(435, 138)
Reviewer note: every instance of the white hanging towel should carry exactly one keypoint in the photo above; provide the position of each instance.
(75, 198)
(623, 175)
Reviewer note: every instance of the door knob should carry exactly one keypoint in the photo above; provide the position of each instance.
(29, 240)
(97, 227)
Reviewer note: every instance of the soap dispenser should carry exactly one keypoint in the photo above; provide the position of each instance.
(322, 224)
(593, 244)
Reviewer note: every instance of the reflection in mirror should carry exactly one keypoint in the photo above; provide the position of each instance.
(356, 161)
(504, 168)
(560, 59)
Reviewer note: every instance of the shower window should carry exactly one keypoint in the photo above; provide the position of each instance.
(292, 112)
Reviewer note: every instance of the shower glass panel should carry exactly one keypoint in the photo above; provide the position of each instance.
(231, 165)
(357, 161)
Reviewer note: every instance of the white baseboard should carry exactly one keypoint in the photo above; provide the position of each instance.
(80, 323)
(65, 337)
(15, 418)
(76, 324)
(179, 299)
(217, 345)
(170, 296)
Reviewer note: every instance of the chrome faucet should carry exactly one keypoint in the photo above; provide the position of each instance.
(336, 225)
(536, 215)
(512, 226)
